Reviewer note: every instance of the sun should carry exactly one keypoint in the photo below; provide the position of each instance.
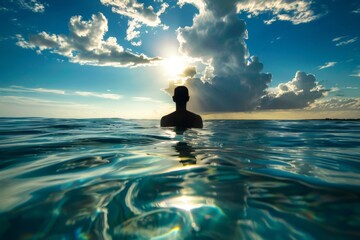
(174, 66)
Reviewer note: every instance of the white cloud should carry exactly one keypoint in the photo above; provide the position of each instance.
(145, 99)
(4, 9)
(336, 103)
(137, 11)
(21, 89)
(32, 5)
(99, 95)
(25, 89)
(300, 92)
(281, 10)
(86, 44)
(37, 101)
(327, 65)
(347, 40)
(231, 81)
(132, 32)
(21, 106)
(139, 15)
(339, 38)
(356, 11)
(356, 72)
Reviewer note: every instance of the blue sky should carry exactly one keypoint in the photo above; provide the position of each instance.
(239, 59)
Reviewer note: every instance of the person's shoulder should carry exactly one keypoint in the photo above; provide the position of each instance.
(194, 115)
(170, 115)
(196, 120)
(167, 120)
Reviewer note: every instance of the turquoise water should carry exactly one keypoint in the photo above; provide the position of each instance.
(130, 179)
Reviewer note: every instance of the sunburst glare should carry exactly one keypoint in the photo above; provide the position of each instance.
(174, 66)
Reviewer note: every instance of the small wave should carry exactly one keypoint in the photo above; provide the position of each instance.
(101, 178)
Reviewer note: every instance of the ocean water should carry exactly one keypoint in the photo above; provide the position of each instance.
(131, 179)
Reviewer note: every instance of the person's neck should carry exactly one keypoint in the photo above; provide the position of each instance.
(180, 108)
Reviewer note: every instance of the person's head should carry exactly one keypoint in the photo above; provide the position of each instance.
(181, 95)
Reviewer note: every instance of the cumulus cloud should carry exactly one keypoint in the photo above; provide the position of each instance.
(136, 10)
(327, 65)
(189, 72)
(86, 44)
(139, 15)
(280, 10)
(344, 40)
(132, 32)
(298, 93)
(295, 11)
(231, 81)
(32, 5)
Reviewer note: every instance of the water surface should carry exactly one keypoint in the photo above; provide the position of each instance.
(130, 179)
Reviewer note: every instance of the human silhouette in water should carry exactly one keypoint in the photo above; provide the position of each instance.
(181, 118)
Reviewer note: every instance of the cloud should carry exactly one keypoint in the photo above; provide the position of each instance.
(356, 11)
(136, 11)
(32, 5)
(189, 72)
(25, 89)
(346, 40)
(21, 106)
(281, 10)
(298, 93)
(335, 104)
(37, 101)
(21, 89)
(132, 32)
(231, 81)
(139, 15)
(356, 73)
(86, 44)
(4, 9)
(327, 65)
(339, 38)
(145, 99)
(99, 95)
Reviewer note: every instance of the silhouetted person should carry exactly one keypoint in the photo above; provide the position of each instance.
(181, 118)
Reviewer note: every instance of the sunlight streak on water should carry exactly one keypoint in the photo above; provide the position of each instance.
(116, 179)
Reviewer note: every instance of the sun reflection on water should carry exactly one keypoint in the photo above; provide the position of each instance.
(187, 203)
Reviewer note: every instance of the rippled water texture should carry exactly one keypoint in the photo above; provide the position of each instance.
(122, 179)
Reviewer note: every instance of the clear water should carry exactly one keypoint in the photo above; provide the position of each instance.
(130, 179)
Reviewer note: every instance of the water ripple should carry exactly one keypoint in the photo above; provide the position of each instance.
(122, 179)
